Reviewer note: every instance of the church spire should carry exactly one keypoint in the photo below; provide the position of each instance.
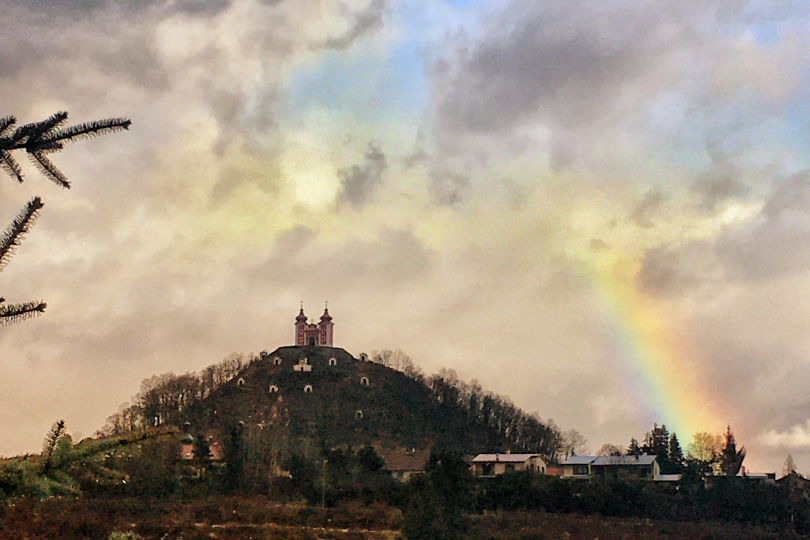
(326, 316)
(301, 317)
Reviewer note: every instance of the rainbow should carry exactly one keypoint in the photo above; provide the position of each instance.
(655, 356)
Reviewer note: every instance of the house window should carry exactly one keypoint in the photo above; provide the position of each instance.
(273, 389)
(510, 467)
(358, 415)
(580, 470)
(241, 382)
(277, 361)
(308, 389)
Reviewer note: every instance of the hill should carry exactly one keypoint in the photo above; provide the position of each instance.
(299, 396)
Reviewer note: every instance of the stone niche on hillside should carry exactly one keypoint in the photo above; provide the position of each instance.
(302, 365)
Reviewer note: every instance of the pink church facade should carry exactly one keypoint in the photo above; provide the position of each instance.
(319, 334)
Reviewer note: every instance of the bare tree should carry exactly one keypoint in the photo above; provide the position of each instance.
(573, 443)
(789, 467)
(609, 449)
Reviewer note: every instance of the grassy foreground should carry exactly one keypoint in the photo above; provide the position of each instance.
(236, 518)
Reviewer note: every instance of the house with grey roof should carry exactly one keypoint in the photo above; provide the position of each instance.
(495, 464)
(643, 466)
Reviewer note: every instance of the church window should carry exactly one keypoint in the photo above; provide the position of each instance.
(308, 389)
(358, 415)
(240, 382)
(332, 361)
(277, 361)
(273, 388)
(363, 381)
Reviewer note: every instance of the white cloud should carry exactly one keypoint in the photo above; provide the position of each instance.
(797, 436)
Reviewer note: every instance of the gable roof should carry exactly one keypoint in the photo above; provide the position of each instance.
(504, 458)
(579, 460)
(606, 461)
(643, 459)
(400, 460)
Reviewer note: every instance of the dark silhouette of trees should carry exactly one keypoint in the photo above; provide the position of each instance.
(441, 498)
(731, 459)
(675, 453)
(38, 140)
(633, 448)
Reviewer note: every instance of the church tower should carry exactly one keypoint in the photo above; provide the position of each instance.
(301, 327)
(312, 334)
(325, 327)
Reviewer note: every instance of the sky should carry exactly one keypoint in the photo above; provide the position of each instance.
(599, 209)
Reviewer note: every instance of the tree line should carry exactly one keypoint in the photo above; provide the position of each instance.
(706, 454)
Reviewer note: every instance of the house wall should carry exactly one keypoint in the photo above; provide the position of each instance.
(583, 470)
(501, 467)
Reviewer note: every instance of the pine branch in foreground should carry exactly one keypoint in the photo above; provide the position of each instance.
(48, 136)
(14, 313)
(88, 130)
(18, 228)
(48, 169)
(49, 445)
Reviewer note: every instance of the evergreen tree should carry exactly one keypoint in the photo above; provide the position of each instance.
(441, 496)
(633, 448)
(656, 442)
(38, 140)
(202, 453)
(730, 458)
(55, 471)
(675, 453)
(789, 467)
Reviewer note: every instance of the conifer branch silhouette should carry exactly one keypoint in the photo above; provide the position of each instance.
(38, 139)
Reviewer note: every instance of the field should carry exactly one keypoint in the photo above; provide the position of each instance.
(236, 518)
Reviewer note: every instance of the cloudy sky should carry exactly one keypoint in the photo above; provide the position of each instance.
(600, 209)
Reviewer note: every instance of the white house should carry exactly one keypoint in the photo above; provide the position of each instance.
(644, 466)
(495, 464)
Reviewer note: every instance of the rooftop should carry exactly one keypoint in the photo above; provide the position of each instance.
(503, 458)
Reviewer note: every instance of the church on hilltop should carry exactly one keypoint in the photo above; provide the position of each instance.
(319, 334)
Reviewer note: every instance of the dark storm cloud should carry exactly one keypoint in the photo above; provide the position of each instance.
(363, 22)
(577, 70)
(358, 182)
(716, 186)
(777, 244)
(771, 246)
(73, 9)
(554, 61)
(645, 210)
(671, 271)
(393, 258)
(720, 182)
(447, 188)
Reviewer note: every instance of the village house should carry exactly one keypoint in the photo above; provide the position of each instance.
(644, 467)
(496, 464)
(404, 464)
